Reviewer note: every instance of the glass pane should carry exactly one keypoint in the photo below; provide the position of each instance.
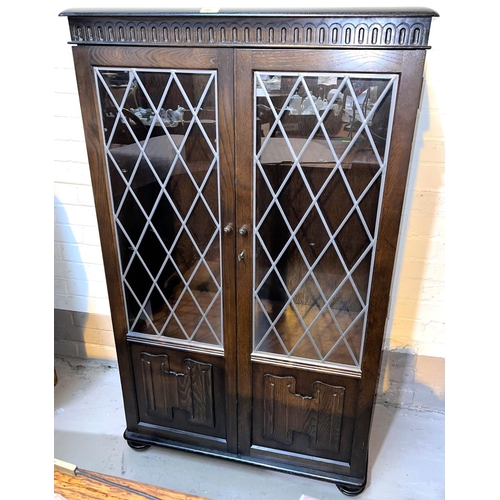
(320, 159)
(161, 145)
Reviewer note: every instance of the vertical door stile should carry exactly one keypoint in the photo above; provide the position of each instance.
(244, 131)
(227, 219)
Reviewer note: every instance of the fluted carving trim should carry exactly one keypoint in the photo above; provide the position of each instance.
(338, 32)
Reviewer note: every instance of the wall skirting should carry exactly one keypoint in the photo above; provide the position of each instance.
(83, 335)
(407, 379)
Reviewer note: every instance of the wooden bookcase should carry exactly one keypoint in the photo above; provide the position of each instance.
(249, 170)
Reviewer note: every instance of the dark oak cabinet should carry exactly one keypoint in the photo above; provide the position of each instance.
(249, 171)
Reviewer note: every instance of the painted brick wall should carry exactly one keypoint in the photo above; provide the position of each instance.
(78, 268)
(416, 321)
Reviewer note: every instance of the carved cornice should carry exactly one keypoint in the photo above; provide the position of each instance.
(400, 32)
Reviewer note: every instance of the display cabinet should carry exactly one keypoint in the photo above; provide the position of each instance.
(249, 171)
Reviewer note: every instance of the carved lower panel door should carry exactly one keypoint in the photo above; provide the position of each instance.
(165, 162)
(319, 156)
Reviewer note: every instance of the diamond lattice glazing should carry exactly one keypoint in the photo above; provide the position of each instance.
(160, 133)
(320, 158)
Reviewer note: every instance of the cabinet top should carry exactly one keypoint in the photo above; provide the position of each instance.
(271, 12)
(401, 28)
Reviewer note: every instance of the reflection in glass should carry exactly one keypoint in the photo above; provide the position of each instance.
(321, 145)
(161, 145)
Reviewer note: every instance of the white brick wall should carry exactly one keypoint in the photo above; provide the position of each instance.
(416, 320)
(79, 282)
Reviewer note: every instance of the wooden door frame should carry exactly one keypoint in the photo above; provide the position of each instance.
(220, 59)
(408, 64)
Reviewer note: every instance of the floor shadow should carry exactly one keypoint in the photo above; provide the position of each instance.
(398, 387)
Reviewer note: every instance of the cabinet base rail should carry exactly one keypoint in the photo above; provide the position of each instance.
(349, 486)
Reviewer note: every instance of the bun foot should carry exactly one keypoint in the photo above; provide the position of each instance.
(138, 446)
(351, 491)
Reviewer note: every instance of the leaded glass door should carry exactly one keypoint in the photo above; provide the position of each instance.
(165, 161)
(319, 156)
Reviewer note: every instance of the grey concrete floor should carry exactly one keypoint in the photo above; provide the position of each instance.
(406, 449)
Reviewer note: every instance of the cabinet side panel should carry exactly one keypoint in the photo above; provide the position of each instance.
(407, 104)
(100, 186)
